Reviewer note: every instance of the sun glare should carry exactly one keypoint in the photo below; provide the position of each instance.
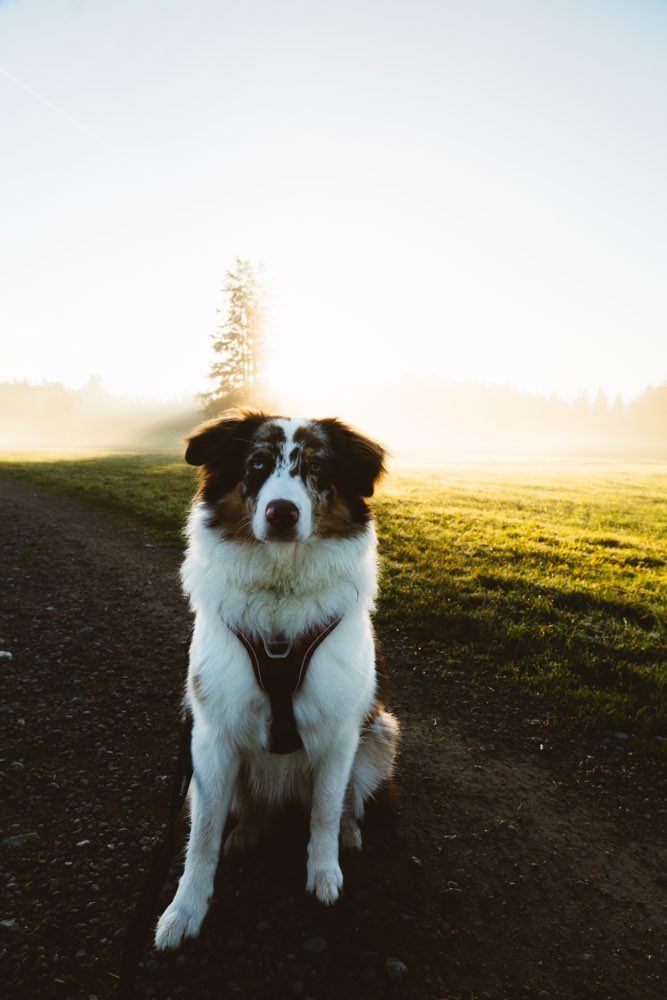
(448, 218)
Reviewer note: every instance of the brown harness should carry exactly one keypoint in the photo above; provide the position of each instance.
(280, 670)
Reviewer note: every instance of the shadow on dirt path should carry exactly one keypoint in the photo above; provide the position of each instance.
(524, 860)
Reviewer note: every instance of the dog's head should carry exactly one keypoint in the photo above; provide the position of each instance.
(273, 479)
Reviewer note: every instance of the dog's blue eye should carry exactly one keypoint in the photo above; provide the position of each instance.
(258, 466)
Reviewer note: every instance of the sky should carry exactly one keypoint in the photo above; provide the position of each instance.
(471, 191)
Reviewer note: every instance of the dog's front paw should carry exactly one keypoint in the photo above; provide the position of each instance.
(176, 924)
(326, 883)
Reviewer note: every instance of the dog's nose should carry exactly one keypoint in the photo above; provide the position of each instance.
(282, 514)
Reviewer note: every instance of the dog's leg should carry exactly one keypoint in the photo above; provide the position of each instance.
(215, 769)
(373, 765)
(330, 780)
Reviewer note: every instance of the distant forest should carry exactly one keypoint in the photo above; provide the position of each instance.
(422, 417)
(52, 416)
(495, 417)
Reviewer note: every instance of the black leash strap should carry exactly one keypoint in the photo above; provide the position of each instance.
(144, 911)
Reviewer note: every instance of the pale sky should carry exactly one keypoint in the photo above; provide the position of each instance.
(475, 190)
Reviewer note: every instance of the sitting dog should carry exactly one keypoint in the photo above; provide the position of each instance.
(283, 685)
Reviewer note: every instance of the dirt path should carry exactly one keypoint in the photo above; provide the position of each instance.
(512, 871)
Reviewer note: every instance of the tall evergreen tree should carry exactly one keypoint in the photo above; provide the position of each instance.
(239, 342)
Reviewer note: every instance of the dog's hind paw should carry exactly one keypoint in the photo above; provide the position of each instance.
(326, 884)
(175, 925)
(242, 837)
(350, 834)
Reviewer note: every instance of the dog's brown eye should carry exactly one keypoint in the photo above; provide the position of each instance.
(316, 467)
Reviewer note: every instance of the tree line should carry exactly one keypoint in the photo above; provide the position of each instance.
(432, 412)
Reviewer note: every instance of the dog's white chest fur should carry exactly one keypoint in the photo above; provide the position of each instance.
(279, 589)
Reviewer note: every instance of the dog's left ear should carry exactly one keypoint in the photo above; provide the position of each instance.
(222, 441)
(358, 462)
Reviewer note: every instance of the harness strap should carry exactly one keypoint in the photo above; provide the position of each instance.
(158, 869)
(280, 674)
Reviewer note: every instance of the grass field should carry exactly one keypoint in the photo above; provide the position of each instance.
(554, 578)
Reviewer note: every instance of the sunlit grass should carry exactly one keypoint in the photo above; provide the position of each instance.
(556, 580)
(553, 578)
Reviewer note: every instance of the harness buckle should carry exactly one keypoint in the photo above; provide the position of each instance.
(277, 649)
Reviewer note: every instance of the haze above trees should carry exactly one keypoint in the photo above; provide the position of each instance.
(415, 418)
(418, 418)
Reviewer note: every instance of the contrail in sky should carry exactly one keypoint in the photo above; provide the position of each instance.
(58, 111)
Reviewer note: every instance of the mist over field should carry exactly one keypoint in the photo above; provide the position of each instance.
(51, 416)
(419, 420)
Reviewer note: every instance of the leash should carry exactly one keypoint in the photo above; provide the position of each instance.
(144, 911)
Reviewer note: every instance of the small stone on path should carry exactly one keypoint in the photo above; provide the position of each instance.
(395, 968)
(315, 945)
(19, 839)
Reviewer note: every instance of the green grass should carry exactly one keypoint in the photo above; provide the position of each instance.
(553, 578)
(556, 580)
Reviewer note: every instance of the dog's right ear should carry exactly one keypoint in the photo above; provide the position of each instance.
(223, 441)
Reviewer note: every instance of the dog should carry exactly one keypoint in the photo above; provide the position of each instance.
(283, 685)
